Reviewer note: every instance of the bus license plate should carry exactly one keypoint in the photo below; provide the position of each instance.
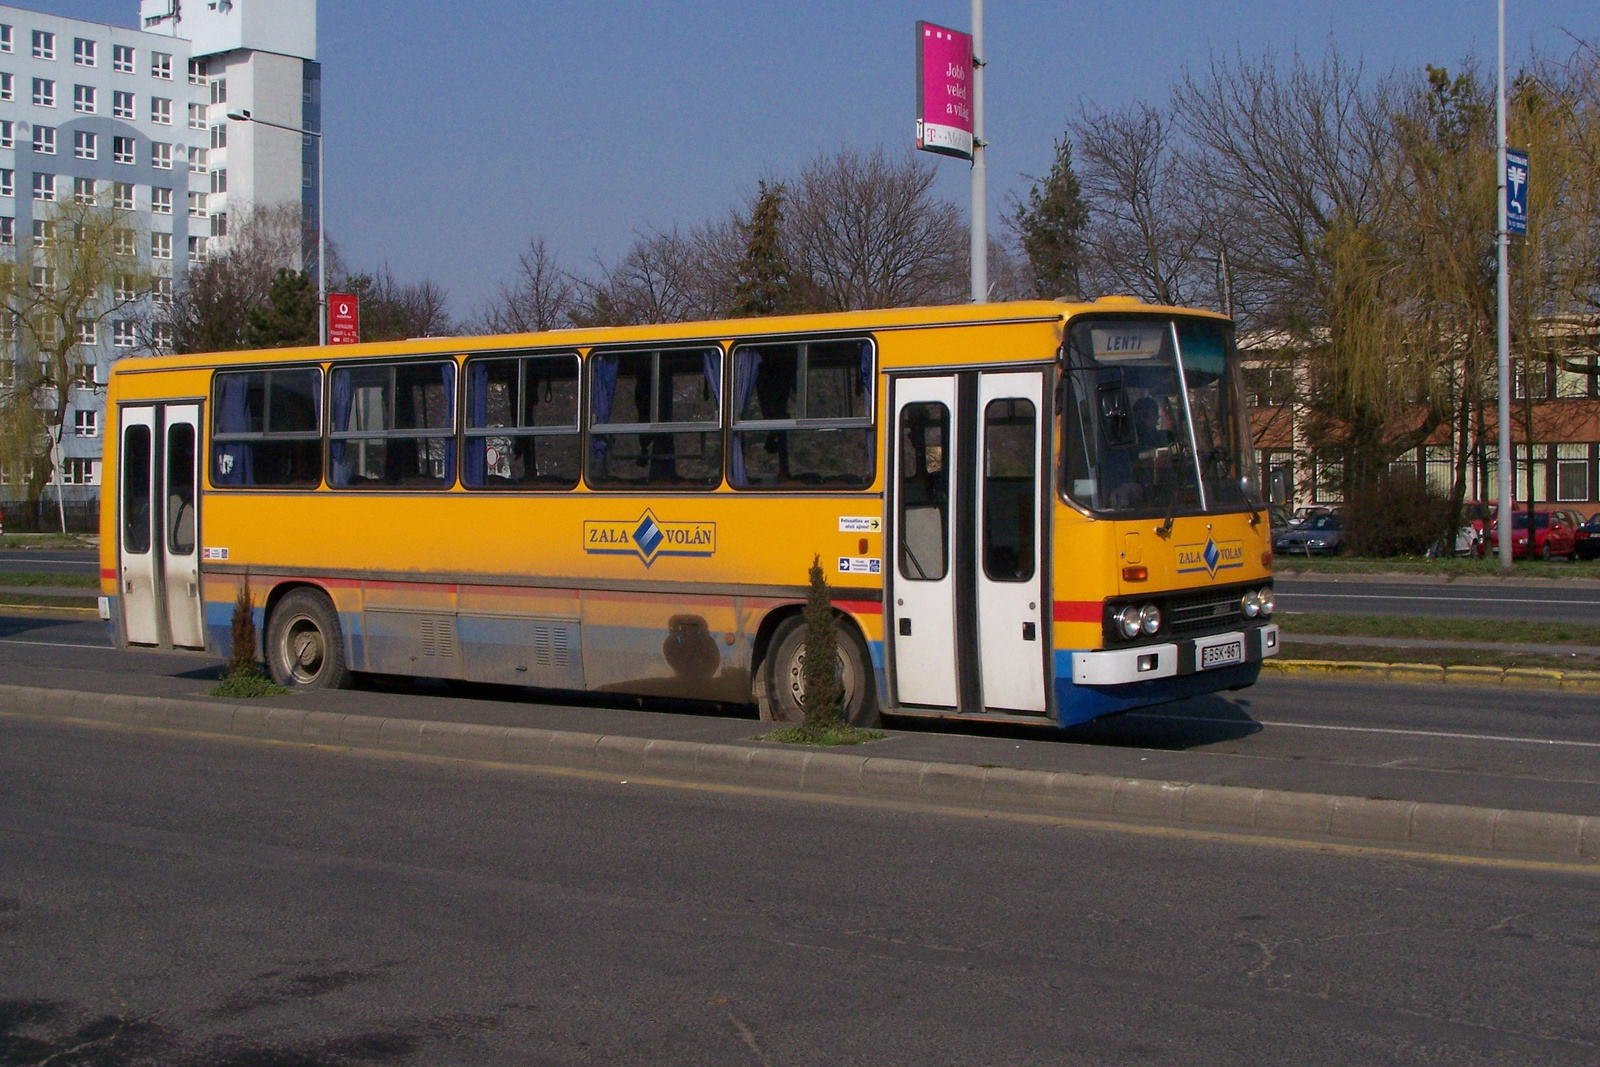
(1222, 655)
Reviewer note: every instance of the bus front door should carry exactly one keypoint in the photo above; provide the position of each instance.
(158, 514)
(966, 614)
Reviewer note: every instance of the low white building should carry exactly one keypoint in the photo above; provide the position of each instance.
(140, 115)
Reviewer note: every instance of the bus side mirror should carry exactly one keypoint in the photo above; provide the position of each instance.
(1278, 486)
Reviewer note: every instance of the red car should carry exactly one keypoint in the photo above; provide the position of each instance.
(1554, 534)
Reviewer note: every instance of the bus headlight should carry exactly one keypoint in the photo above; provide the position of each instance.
(1267, 601)
(1150, 619)
(1250, 604)
(1127, 620)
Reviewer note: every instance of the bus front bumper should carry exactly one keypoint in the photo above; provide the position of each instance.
(1144, 663)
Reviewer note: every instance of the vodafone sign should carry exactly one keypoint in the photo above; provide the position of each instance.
(344, 319)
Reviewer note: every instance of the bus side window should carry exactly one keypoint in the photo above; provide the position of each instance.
(802, 415)
(393, 424)
(266, 428)
(522, 423)
(924, 491)
(655, 418)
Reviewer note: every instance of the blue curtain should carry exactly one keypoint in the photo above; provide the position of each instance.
(713, 369)
(477, 415)
(234, 462)
(604, 388)
(447, 374)
(746, 364)
(340, 468)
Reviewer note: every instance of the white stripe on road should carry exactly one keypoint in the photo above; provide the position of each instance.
(1289, 594)
(1373, 730)
(56, 644)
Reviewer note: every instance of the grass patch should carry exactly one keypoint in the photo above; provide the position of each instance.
(59, 581)
(1412, 626)
(56, 541)
(1463, 567)
(1442, 657)
(247, 687)
(30, 600)
(831, 734)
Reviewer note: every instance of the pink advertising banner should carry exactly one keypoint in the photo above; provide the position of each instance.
(944, 90)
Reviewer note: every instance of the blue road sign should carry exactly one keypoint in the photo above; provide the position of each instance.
(1516, 191)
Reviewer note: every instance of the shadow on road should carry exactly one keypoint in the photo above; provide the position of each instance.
(1174, 727)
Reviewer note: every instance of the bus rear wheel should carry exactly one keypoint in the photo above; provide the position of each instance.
(304, 647)
(783, 686)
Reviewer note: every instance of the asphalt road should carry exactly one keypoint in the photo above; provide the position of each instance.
(1530, 750)
(175, 901)
(47, 561)
(1568, 602)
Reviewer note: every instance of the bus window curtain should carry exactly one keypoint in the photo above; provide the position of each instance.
(340, 473)
(746, 365)
(605, 391)
(234, 462)
(477, 415)
(447, 375)
(713, 368)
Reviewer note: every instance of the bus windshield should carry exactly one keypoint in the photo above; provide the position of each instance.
(1153, 420)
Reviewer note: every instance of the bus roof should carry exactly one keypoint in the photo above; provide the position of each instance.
(678, 332)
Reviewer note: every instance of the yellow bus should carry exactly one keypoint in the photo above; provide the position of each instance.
(1033, 511)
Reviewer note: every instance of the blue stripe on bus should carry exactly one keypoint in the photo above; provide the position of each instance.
(1080, 703)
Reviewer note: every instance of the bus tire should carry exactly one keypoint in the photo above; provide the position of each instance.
(782, 674)
(305, 649)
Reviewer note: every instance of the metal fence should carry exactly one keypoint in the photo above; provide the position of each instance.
(83, 516)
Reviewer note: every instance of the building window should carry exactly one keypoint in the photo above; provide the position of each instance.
(124, 287)
(84, 52)
(197, 116)
(198, 69)
(161, 336)
(121, 105)
(1327, 480)
(44, 186)
(122, 195)
(161, 66)
(88, 334)
(124, 242)
(8, 182)
(197, 160)
(1538, 489)
(8, 134)
(8, 86)
(219, 180)
(161, 290)
(161, 111)
(124, 334)
(44, 92)
(308, 174)
(8, 231)
(197, 205)
(5, 39)
(44, 233)
(161, 246)
(161, 200)
(122, 150)
(83, 190)
(85, 145)
(86, 423)
(81, 472)
(219, 224)
(219, 135)
(122, 58)
(219, 91)
(656, 418)
(83, 99)
(45, 278)
(44, 140)
(197, 249)
(44, 44)
(1572, 472)
(160, 155)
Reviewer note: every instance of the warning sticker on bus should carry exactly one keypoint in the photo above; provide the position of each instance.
(215, 553)
(860, 524)
(859, 565)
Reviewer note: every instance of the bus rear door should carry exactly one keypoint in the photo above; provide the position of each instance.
(966, 614)
(158, 502)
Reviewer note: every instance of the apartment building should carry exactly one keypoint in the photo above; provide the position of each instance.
(138, 115)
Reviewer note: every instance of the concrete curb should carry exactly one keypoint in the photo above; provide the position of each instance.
(1522, 833)
(1433, 674)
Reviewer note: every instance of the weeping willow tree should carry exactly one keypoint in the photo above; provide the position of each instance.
(81, 269)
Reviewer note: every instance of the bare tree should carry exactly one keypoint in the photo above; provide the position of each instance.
(540, 296)
(392, 310)
(865, 231)
(666, 276)
(210, 311)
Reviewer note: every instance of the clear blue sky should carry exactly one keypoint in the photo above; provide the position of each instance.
(457, 130)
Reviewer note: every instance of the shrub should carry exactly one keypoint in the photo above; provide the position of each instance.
(1398, 515)
(242, 657)
(821, 672)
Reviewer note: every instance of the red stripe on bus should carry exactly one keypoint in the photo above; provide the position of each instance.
(861, 607)
(1078, 610)
(109, 572)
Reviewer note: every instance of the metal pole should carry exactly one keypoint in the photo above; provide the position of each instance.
(1503, 507)
(980, 172)
(322, 255)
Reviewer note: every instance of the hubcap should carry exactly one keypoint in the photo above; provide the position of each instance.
(797, 679)
(305, 649)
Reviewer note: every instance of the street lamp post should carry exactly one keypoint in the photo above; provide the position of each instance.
(322, 240)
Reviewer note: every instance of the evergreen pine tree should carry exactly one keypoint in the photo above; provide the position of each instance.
(766, 283)
(820, 672)
(290, 317)
(1048, 223)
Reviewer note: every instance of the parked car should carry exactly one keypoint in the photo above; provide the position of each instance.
(1321, 534)
(1464, 543)
(1554, 534)
(1586, 542)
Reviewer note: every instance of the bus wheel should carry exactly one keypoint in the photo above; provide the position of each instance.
(783, 676)
(304, 647)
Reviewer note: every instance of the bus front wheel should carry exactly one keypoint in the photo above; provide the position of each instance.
(304, 647)
(783, 676)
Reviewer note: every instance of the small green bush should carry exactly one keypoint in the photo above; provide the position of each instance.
(823, 691)
(242, 677)
(1398, 515)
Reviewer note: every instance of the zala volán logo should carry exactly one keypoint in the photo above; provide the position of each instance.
(649, 538)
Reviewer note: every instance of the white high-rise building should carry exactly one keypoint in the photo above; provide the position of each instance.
(140, 116)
